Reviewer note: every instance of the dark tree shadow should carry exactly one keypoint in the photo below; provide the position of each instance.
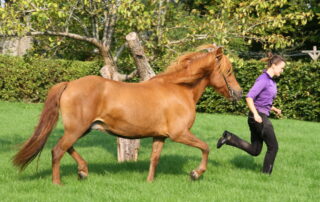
(245, 162)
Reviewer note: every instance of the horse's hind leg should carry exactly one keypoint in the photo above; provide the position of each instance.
(157, 146)
(65, 143)
(82, 164)
(189, 139)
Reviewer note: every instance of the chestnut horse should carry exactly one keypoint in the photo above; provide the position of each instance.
(162, 107)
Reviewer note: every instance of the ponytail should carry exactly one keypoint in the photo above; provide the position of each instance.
(272, 59)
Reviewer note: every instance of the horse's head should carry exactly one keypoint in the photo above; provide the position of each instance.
(222, 78)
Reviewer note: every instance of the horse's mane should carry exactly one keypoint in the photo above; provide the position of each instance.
(190, 67)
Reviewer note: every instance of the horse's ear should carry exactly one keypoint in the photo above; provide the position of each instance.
(219, 52)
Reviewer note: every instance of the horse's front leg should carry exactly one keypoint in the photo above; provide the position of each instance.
(189, 139)
(157, 146)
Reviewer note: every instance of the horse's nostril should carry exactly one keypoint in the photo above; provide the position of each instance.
(238, 95)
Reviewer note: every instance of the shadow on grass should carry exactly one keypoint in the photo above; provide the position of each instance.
(245, 162)
(96, 139)
(169, 164)
(6, 144)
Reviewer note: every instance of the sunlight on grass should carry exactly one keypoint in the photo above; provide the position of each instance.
(232, 174)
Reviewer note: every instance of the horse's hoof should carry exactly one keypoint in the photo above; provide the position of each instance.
(82, 175)
(194, 175)
(57, 183)
(150, 181)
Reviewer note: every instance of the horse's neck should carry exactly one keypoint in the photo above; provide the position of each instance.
(198, 89)
(195, 83)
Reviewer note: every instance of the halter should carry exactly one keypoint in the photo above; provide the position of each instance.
(231, 92)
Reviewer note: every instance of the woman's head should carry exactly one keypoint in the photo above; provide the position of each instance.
(275, 64)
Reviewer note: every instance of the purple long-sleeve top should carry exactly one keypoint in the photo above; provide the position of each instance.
(263, 93)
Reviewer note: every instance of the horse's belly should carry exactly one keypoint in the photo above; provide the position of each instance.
(133, 126)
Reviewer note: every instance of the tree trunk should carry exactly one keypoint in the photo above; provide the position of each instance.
(16, 46)
(144, 69)
(127, 148)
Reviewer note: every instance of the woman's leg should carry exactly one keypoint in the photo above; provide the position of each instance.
(256, 141)
(270, 139)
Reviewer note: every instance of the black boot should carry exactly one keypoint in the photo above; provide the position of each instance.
(267, 169)
(225, 137)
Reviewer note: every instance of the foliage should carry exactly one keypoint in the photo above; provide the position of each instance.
(28, 79)
(101, 23)
(298, 90)
(308, 35)
(166, 27)
(225, 21)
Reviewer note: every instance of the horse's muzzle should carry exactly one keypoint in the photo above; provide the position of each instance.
(236, 95)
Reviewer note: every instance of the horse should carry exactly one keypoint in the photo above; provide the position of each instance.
(161, 107)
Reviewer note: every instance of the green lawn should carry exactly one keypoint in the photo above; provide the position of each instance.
(232, 174)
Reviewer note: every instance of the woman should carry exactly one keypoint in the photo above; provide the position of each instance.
(259, 100)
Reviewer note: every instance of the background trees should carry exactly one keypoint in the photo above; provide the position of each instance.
(92, 21)
(84, 29)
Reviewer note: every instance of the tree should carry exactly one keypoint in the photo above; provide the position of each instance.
(92, 21)
(230, 22)
(307, 35)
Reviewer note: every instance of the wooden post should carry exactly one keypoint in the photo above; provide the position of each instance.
(314, 54)
(128, 148)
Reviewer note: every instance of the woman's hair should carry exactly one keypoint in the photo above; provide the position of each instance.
(272, 59)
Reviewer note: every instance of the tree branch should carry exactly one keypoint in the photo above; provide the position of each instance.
(124, 77)
(120, 50)
(65, 34)
(70, 16)
(258, 24)
(85, 29)
(162, 10)
(190, 37)
(94, 21)
(110, 21)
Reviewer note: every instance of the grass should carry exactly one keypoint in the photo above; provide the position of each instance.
(232, 174)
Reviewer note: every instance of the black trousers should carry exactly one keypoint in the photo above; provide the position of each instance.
(260, 132)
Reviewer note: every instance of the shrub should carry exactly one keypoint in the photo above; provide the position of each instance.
(28, 80)
(298, 90)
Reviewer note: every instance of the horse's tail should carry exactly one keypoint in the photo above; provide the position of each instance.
(48, 119)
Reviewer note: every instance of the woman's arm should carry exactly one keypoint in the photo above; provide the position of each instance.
(276, 110)
(253, 109)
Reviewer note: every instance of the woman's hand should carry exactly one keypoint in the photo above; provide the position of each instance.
(257, 118)
(253, 109)
(276, 110)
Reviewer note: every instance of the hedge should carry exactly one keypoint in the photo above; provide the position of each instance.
(27, 80)
(298, 90)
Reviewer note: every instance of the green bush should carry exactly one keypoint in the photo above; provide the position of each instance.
(298, 91)
(28, 80)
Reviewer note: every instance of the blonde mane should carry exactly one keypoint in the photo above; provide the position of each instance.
(190, 67)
